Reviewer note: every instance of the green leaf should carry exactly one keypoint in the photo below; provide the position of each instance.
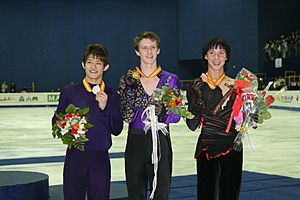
(88, 125)
(70, 109)
(54, 127)
(260, 119)
(59, 116)
(80, 147)
(267, 115)
(190, 116)
(69, 146)
(54, 134)
(56, 115)
(83, 111)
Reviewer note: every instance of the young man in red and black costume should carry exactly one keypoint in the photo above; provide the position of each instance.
(210, 99)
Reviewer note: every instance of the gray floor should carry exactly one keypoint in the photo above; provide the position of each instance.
(272, 171)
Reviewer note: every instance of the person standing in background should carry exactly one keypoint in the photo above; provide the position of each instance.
(4, 87)
(12, 87)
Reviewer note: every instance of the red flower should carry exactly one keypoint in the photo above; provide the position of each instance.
(269, 100)
(69, 116)
(178, 102)
(75, 129)
(61, 123)
(241, 84)
(245, 74)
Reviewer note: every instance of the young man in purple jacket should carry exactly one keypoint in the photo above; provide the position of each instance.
(137, 90)
(89, 171)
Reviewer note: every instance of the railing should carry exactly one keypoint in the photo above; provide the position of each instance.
(294, 80)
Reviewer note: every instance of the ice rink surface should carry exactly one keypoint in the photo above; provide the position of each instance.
(272, 171)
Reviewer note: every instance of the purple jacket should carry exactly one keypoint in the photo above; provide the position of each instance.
(135, 100)
(105, 122)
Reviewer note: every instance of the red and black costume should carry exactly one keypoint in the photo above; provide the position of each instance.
(219, 167)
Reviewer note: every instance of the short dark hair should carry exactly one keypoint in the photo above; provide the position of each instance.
(146, 35)
(96, 50)
(213, 44)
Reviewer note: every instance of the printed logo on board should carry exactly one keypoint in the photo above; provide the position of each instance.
(52, 97)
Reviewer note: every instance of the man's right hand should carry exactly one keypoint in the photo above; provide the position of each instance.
(197, 85)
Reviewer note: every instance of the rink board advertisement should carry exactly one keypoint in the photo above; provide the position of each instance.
(290, 99)
(286, 99)
(29, 99)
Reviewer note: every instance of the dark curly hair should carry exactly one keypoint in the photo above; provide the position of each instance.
(213, 44)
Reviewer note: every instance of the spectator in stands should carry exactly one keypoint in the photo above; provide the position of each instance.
(279, 83)
(12, 87)
(4, 87)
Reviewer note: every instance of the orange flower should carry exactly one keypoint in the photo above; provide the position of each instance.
(173, 103)
(75, 128)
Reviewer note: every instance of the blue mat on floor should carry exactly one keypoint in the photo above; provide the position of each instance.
(255, 186)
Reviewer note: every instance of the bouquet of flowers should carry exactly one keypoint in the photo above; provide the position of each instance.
(71, 127)
(172, 100)
(250, 107)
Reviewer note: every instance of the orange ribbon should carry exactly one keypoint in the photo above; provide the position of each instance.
(213, 84)
(88, 87)
(152, 75)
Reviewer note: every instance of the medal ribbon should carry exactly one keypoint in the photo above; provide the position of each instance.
(153, 74)
(213, 84)
(88, 87)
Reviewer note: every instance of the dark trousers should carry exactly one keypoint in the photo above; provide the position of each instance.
(139, 169)
(219, 178)
(86, 172)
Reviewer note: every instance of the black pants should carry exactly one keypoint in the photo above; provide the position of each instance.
(139, 169)
(219, 178)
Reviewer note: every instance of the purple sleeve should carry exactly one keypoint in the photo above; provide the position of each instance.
(62, 104)
(113, 118)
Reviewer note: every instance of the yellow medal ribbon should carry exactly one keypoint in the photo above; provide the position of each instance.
(153, 74)
(88, 87)
(213, 84)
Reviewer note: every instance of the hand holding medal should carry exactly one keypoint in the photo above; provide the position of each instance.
(101, 96)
